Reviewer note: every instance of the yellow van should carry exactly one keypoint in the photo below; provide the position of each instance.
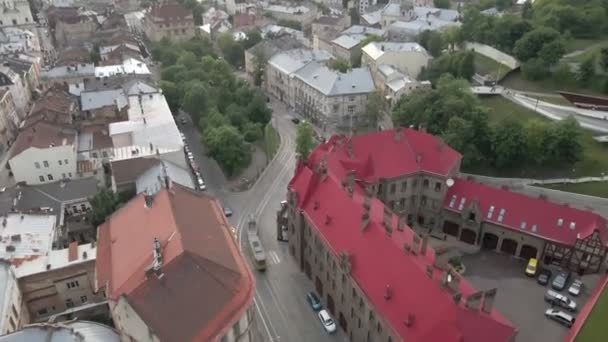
(531, 268)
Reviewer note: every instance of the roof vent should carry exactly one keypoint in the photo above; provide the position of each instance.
(572, 225)
(411, 319)
(10, 248)
(354, 86)
(327, 219)
(16, 238)
(316, 205)
(315, 76)
(48, 266)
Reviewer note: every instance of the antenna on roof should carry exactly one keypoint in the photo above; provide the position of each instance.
(449, 182)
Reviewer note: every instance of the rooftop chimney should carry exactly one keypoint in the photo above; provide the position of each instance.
(411, 319)
(388, 292)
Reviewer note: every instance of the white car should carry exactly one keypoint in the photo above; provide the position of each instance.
(560, 300)
(190, 156)
(576, 287)
(560, 317)
(327, 322)
(201, 183)
(183, 136)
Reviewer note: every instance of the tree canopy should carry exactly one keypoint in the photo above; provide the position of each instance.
(304, 140)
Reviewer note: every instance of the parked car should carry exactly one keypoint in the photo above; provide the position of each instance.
(544, 275)
(183, 136)
(560, 300)
(327, 322)
(186, 148)
(201, 183)
(576, 287)
(183, 121)
(227, 211)
(314, 301)
(560, 317)
(190, 156)
(532, 267)
(561, 280)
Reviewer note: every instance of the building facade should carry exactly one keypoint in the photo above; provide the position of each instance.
(408, 58)
(9, 120)
(61, 283)
(178, 308)
(304, 15)
(170, 20)
(337, 223)
(16, 13)
(77, 30)
(11, 305)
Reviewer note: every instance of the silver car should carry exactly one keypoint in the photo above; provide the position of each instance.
(576, 287)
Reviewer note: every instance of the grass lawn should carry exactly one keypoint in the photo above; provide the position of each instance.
(595, 328)
(490, 67)
(598, 189)
(272, 140)
(595, 155)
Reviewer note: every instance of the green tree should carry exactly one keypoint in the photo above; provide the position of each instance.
(254, 36)
(466, 66)
(373, 107)
(252, 132)
(195, 99)
(565, 142)
(260, 58)
(530, 45)
(604, 58)
(95, 54)
(508, 30)
(452, 36)
(460, 135)
(509, 144)
(233, 52)
(441, 3)
(212, 119)
(304, 140)
(228, 147)
(339, 64)
(104, 204)
(432, 41)
(551, 52)
(173, 94)
(535, 69)
(187, 59)
(257, 110)
(536, 134)
(586, 71)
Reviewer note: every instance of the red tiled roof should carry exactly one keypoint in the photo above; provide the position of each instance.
(42, 135)
(206, 284)
(387, 154)
(379, 260)
(520, 208)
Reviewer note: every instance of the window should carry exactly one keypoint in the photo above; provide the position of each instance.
(425, 183)
(70, 174)
(41, 178)
(83, 207)
(94, 154)
(69, 303)
(351, 109)
(66, 162)
(391, 204)
(72, 284)
(403, 186)
(379, 328)
(351, 98)
(50, 176)
(393, 188)
(184, 31)
(471, 216)
(402, 203)
(104, 154)
(42, 312)
(83, 299)
(438, 186)
(415, 183)
(59, 162)
(37, 165)
(64, 176)
(423, 201)
(45, 163)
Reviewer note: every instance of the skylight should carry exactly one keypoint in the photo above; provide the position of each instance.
(490, 212)
(523, 225)
(452, 201)
(560, 222)
(572, 225)
(461, 205)
(534, 228)
(501, 214)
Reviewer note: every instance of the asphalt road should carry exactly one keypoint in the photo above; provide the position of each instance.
(283, 312)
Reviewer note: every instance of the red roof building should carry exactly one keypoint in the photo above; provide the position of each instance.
(358, 196)
(173, 263)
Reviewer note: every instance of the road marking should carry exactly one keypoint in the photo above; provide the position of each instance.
(275, 257)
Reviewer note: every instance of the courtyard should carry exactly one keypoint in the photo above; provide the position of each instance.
(520, 299)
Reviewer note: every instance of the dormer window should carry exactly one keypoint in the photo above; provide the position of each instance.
(560, 222)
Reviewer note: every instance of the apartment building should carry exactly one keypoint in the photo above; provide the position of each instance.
(21, 77)
(257, 55)
(347, 44)
(9, 120)
(169, 19)
(379, 278)
(61, 284)
(16, 13)
(160, 270)
(281, 67)
(14, 40)
(304, 15)
(329, 98)
(408, 58)
(13, 316)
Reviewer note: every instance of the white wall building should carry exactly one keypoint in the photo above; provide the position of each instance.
(11, 302)
(44, 153)
(408, 58)
(16, 13)
(16, 40)
(130, 66)
(12, 81)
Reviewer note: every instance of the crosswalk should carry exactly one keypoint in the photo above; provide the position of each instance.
(273, 257)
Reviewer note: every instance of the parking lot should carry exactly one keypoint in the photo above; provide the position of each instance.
(520, 298)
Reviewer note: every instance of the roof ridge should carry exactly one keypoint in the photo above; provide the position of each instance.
(194, 257)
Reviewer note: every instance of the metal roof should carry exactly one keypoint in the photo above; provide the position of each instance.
(332, 83)
(292, 60)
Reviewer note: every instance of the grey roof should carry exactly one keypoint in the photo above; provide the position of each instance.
(153, 179)
(81, 70)
(442, 14)
(332, 83)
(358, 29)
(376, 49)
(26, 198)
(419, 25)
(392, 9)
(276, 45)
(292, 60)
(134, 87)
(90, 100)
(372, 18)
(71, 331)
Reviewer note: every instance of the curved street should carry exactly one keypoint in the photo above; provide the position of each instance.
(283, 312)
